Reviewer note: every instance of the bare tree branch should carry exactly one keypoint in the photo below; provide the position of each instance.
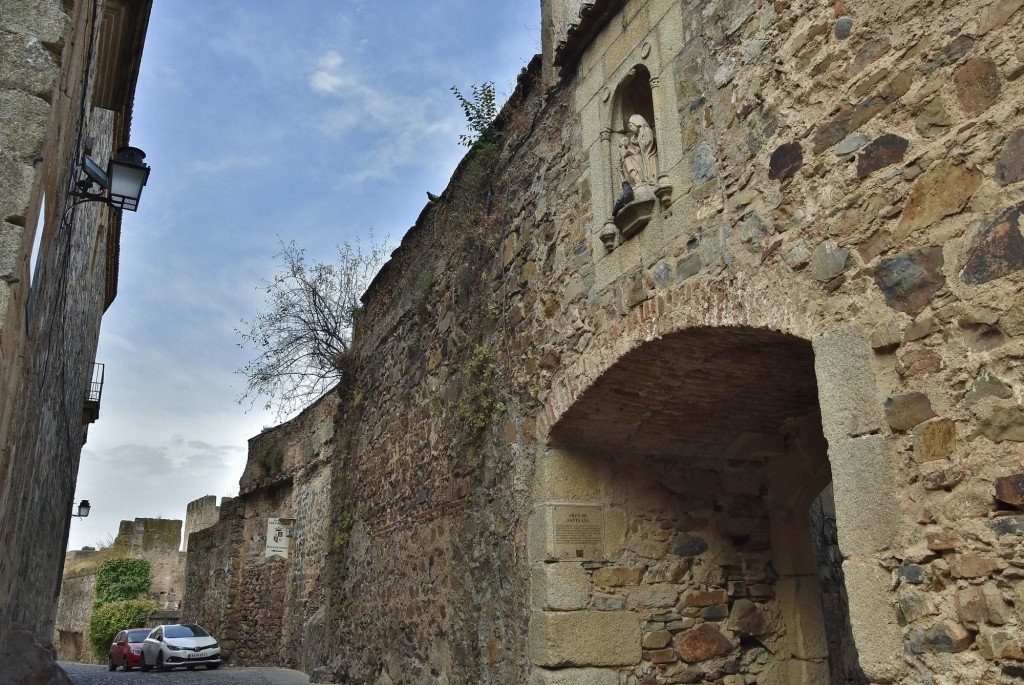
(302, 335)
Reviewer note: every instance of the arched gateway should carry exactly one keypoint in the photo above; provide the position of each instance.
(685, 523)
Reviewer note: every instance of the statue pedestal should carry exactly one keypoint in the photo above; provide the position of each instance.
(632, 218)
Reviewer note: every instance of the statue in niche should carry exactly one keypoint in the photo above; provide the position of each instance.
(639, 165)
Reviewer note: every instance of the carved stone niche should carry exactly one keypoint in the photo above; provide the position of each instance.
(631, 147)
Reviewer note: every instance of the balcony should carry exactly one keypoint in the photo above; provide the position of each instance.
(91, 409)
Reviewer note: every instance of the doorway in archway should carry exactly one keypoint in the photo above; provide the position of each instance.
(713, 490)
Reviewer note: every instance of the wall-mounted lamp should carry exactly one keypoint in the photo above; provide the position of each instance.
(123, 180)
(83, 509)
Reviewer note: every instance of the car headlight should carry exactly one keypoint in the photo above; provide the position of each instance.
(215, 645)
(136, 650)
(175, 648)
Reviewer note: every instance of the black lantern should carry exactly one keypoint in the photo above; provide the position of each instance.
(128, 174)
(83, 509)
(123, 180)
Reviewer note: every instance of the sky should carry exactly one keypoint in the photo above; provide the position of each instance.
(317, 121)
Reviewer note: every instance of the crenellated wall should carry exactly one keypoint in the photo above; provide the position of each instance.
(199, 514)
(762, 423)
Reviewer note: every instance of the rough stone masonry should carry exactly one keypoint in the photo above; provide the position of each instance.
(763, 425)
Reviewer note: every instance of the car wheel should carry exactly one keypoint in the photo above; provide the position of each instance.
(111, 666)
(125, 665)
(191, 668)
(160, 660)
(142, 662)
(212, 667)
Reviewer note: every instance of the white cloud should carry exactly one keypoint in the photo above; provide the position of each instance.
(222, 164)
(331, 60)
(384, 128)
(330, 79)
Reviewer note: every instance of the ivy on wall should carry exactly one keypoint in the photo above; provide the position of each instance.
(116, 605)
(119, 579)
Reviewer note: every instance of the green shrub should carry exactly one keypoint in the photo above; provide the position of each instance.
(109, 619)
(119, 579)
(479, 402)
(480, 109)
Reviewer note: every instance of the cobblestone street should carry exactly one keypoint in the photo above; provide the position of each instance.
(89, 674)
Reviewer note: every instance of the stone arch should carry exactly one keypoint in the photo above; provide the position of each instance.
(633, 95)
(764, 397)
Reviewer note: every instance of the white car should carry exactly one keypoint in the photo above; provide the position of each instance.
(184, 644)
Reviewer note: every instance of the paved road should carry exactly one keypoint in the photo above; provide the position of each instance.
(88, 674)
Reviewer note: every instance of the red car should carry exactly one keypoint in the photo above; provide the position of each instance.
(127, 649)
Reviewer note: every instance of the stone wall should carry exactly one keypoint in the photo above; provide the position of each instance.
(579, 447)
(269, 610)
(199, 514)
(31, 36)
(63, 90)
(158, 541)
(48, 416)
(74, 610)
(155, 540)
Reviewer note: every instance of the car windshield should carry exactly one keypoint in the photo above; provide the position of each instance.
(137, 635)
(187, 630)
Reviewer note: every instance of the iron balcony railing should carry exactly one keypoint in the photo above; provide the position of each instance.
(91, 411)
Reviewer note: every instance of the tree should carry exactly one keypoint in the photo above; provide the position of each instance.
(107, 620)
(480, 110)
(305, 331)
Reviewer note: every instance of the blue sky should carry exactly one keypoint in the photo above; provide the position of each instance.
(314, 120)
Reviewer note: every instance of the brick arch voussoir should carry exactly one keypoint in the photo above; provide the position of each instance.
(741, 301)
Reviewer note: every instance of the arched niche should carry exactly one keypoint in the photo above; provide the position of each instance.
(633, 96)
(632, 151)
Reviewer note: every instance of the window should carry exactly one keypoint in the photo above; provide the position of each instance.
(35, 263)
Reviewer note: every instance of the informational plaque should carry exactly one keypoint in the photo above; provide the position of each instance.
(279, 537)
(577, 531)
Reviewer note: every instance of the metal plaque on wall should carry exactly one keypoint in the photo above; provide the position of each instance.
(576, 532)
(279, 537)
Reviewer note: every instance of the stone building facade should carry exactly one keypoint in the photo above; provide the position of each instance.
(66, 88)
(755, 418)
(158, 541)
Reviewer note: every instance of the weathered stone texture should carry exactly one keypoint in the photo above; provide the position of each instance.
(940, 192)
(27, 661)
(977, 85)
(42, 420)
(997, 248)
(199, 514)
(1010, 165)
(905, 410)
(701, 381)
(592, 638)
(232, 587)
(702, 643)
(850, 405)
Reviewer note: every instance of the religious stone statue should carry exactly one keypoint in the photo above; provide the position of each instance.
(639, 165)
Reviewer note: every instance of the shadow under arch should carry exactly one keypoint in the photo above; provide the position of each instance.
(709, 442)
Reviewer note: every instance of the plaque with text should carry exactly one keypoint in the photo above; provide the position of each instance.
(576, 532)
(279, 537)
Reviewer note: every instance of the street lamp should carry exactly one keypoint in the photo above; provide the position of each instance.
(124, 178)
(83, 509)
